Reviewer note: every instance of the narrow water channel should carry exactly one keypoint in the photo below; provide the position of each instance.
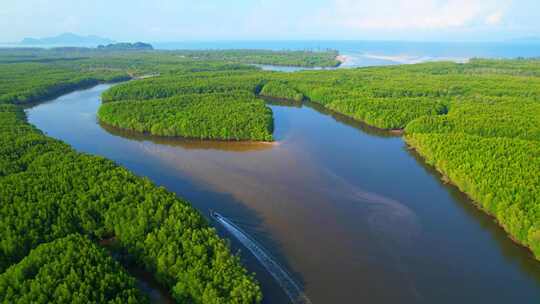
(351, 214)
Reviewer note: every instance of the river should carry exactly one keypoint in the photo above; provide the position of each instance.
(350, 212)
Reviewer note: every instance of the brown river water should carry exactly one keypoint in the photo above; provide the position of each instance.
(348, 211)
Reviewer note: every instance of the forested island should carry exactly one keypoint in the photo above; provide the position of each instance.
(126, 46)
(478, 123)
(328, 58)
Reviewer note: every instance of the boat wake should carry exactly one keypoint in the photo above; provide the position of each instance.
(285, 281)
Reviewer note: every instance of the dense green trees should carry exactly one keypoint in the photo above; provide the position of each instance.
(31, 74)
(48, 191)
(126, 46)
(391, 97)
(53, 199)
(326, 58)
(205, 105)
(188, 82)
(489, 147)
(499, 173)
(477, 123)
(280, 89)
(22, 83)
(74, 55)
(68, 270)
(228, 116)
(487, 117)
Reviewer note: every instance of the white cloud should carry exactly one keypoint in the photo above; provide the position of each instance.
(415, 14)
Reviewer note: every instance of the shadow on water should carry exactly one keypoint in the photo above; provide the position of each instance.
(226, 204)
(150, 286)
(199, 196)
(190, 144)
(512, 251)
(250, 221)
(282, 102)
(365, 128)
(242, 216)
(146, 282)
(359, 125)
(353, 217)
(207, 201)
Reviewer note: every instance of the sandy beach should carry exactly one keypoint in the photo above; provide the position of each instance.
(342, 58)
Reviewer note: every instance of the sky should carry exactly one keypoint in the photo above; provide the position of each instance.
(205, 20)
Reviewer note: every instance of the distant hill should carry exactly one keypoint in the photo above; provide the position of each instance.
(138, 46)
(68, 39)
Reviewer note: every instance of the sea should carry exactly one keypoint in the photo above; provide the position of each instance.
(374, 53)
(371, 53)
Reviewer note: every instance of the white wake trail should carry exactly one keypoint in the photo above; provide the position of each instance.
(291, 288)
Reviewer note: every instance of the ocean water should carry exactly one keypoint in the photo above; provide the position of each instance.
(373, 53)
(370, 53)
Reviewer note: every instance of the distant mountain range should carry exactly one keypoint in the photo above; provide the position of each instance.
(68, 39)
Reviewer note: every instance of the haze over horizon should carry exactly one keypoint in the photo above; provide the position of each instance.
(170, 20)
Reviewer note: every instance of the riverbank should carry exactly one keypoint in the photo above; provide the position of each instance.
(478, 121)
(342, 59)
(146, 282)
(474, 202)
(330, 170)
(466, 182)
(349, 120)
(188, 141)
(36, 159)
(63, 89)
(450, 172)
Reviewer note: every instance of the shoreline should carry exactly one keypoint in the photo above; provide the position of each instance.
(150, 283)
(445, 179)
(319, 106)
(72, 89)
(342, 59)
(179, 138)
(398, 132)
(424, 161)
(148, 134)
(84, 87)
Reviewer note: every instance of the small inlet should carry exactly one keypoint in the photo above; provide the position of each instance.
(291, 288)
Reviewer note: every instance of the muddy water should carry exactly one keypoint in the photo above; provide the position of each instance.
(351, 213)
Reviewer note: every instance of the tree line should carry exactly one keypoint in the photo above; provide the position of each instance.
(72, 269)
(224, 116)
(49, 191)
(478, 123)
